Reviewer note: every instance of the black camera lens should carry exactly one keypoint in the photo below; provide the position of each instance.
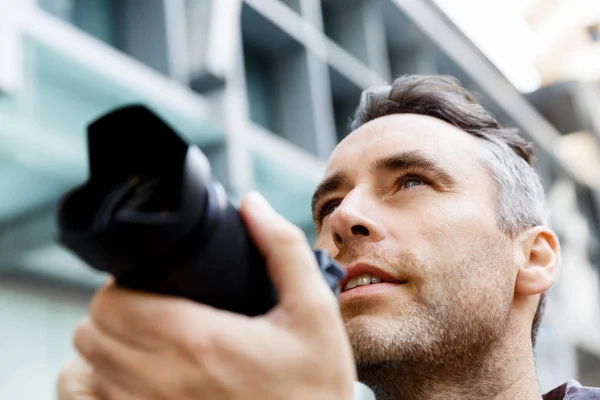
(152, 215)
(136, 199)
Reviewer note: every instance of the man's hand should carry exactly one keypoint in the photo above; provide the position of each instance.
(146, 346)
(76, 382)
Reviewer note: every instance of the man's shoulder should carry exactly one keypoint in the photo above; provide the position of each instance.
(573, 390)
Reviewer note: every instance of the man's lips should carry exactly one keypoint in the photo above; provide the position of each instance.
(372, 289)
(364, 268)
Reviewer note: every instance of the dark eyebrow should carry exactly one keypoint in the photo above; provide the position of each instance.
(414, 160)
(411, 160)
(331, 184)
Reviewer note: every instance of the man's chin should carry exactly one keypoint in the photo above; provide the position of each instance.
(392, 337)
(376, 311)
(370, 308)
(362, 320)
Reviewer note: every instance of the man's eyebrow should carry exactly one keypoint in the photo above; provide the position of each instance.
(331, 184)
(411, 160)
(414, 160)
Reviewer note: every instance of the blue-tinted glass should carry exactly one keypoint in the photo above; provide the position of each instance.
(258, 83)
(96, 17)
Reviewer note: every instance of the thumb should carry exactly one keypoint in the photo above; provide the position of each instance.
(75, 382)
(290, 260)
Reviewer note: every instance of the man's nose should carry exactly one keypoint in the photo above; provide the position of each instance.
(349, 223)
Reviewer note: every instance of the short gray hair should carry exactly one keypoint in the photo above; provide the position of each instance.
(521, 200)
(509, 159)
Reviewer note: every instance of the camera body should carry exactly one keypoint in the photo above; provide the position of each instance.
(152, 215)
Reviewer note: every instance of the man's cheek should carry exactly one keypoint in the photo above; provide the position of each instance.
(449, 240)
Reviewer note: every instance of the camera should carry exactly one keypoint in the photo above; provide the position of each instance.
(152, 215)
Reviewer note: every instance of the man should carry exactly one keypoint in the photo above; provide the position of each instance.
(441, 222)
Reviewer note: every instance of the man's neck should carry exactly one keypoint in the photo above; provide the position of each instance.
(506, 373)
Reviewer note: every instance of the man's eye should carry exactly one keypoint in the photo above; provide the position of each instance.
(412, 182)
(407, 182)
(329, 207)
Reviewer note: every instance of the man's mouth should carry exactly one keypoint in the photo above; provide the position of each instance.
(363, 280)
(362, 275)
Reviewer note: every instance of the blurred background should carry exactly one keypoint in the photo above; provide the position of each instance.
(266, 88)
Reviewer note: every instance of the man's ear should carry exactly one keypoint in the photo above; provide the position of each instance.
(541, 255)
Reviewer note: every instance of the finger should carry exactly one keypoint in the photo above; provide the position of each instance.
(108, 356)
(147, 320)
(75, 381)
(142, 373)
(108, 390)
(290, 260)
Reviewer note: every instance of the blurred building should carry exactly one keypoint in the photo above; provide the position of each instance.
(568, 35)
(266, 88)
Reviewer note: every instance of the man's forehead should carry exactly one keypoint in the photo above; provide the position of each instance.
(403, 132)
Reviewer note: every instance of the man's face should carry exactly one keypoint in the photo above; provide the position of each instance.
(406, 201)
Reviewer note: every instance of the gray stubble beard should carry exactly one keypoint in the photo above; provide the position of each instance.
(448, 340)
